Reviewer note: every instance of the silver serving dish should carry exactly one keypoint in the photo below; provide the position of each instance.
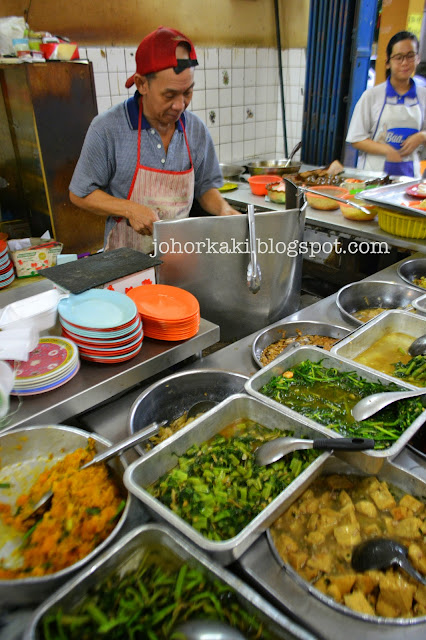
(145, 471)
(129, 551)
(307, 327)
(394, 197)
(25, 453)
(231, 171)
(326, 618)
(170, 397)
(272, 167)
(411, 269)
(369, 461)
(385, 323)
(370, 294)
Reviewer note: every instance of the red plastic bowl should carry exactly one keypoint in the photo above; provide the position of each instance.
(258, 183)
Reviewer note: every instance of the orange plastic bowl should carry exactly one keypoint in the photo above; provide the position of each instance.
(258, 183)
(324, 203)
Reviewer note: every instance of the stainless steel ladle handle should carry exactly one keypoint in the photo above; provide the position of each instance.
(323, 195)
(255, 276)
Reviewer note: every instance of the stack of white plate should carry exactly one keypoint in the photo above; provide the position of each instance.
(104, 324)
(51, 364)
(7, 274)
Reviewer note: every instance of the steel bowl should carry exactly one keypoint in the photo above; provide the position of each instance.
(311, 327)
(25, 453)
(370, 293)
(170, 397)
(231, 171)
(411, 269)
(278, 167)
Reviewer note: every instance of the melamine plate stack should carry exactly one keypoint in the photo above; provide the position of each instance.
(51, 364)
(168, 313)
(7, 274)
(104, 324)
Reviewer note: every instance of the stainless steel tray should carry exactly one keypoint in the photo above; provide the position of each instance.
(393, 197)
(388, 321)
(126, 554)
(370, 461)
(311, 327)
(411, 269)
(323, 616)
(144, 472)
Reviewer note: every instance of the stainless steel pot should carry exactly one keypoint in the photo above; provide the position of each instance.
(273, 167)
(231, 171)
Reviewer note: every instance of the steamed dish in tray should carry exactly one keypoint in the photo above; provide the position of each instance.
(317, 534)
(85, 508)
(273, 350)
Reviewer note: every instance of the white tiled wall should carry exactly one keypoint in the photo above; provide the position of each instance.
(236, 94)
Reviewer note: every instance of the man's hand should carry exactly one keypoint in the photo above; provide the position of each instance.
(412, 142)
(141, 218)
(392, 155)
(213, 203)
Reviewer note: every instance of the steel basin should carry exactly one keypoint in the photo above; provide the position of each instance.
(30, 448)
(369, 294)
(278, 167)
(230, 171)
(411, 269)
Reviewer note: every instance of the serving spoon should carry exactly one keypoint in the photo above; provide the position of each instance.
(381, 553)
(200, 407)
(418, 347)
(109, 453)
(199, 629)
(275, 449)
(370, 405)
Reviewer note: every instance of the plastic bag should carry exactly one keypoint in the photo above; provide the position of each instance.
(10, 28)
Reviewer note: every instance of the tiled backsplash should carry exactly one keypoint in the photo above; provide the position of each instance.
(236, 94)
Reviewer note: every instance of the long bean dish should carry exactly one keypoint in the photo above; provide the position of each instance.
(85, 507)
(150, 602)
(327, 396)
(318, 533)
(218, 488)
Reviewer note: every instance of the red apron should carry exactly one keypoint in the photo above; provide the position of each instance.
(169, 193)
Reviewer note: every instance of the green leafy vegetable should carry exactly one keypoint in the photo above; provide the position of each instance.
(5, 485)
(413, 372)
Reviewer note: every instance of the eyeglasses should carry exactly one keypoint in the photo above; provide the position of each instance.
(400, 57)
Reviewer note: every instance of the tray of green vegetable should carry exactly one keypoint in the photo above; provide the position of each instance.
(145, 586)
(323, 388)
(204, 481)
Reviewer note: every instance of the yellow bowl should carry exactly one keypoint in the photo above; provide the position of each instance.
(398, 224)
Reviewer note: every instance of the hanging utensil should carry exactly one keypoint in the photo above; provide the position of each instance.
(254, 275)
(293, 152)
(370, 405)
(348, 202)
(275, 449)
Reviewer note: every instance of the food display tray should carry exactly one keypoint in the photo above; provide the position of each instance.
(393, 197)
(127, 553)
(144, 472)
(262, 567)
(369, 461)
(387, 322)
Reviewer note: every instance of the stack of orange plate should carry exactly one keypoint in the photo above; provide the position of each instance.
(168, 313)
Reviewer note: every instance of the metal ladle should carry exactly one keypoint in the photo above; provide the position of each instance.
(323, 195)
(293, 152)
(199, 629)
(254, 276)
(370, 405)
(200, 407)
(418, 347)
(275, 449)
(381, 553)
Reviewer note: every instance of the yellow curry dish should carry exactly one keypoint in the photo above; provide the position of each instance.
(317, 534)
(85, 508)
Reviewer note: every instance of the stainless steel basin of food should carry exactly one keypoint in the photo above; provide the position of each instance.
(369, 294)
(289, 329)
(25, 453)
(273, 167)
(263, 566)
(369, 461)
(126, 554)
(412, 269)
(387, 322)
(144, 472)
(169, 398)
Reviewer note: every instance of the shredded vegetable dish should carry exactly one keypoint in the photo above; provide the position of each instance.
(273, 350)
(420, 281)
(150, 602)
(218, 488)
(327, 396)
(318, 533)
(84, 510)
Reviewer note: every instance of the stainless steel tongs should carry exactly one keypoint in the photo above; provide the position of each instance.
(254, 275)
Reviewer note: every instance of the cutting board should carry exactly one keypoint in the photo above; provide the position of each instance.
(94, 271)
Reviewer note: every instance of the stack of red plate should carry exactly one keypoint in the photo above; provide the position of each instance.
(7, 274)
(105, 325)
(168, 313)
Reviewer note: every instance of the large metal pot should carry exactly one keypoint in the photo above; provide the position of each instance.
(270, 167)
(25, 453)
(231, 171)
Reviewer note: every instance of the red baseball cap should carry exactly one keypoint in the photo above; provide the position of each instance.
(157, 51)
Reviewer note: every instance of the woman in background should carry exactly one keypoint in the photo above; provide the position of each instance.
(388, 123)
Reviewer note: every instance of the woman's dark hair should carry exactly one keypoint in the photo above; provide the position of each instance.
(401, 35)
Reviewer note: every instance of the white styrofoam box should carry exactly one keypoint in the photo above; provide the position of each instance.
(123, 285)
(37, 311)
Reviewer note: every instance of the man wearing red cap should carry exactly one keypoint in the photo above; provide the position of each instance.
(145, 159)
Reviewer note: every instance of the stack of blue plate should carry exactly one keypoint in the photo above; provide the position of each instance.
(7, 274)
